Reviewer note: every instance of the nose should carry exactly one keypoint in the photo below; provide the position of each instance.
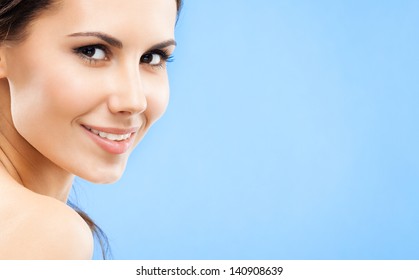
(128, 94)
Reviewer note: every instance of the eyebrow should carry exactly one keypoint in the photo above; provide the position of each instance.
(164, 44)
(117, 43)
(108, 39)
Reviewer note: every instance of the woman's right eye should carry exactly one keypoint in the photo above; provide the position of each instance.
(92, 53)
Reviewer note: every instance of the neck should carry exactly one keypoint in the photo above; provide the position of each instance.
(22, 163)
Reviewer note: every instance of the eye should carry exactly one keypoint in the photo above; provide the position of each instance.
(152, 59)
(156, 58)
(92, 53)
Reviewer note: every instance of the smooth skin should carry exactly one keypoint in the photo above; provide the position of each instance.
(83, 64)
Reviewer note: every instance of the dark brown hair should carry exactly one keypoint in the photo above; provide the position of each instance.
(15, 16)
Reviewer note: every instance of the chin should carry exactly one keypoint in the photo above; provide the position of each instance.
(104, 179)
(103, 176)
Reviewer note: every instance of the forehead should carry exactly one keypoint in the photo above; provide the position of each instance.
(151, 19)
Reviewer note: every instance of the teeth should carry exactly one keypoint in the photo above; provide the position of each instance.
(110, 136)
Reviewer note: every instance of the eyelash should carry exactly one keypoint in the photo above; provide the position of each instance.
(163, 54)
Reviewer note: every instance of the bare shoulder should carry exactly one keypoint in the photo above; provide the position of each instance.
(39, 227)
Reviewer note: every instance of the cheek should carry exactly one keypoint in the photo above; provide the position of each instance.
(47, 99)
(157, 102)
(45, 104)
(158, 99)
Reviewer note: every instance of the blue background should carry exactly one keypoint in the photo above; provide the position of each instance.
(292, 133)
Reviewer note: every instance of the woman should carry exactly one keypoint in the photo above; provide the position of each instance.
(81, 82)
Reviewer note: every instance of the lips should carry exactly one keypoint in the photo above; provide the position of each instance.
(110, 136)
(112, 140)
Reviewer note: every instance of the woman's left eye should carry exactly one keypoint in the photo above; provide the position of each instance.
(151, 58)
(155, 58)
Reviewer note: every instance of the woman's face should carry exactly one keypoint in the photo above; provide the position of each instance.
(89, 80)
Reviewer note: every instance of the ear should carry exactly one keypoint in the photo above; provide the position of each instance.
(3, 64)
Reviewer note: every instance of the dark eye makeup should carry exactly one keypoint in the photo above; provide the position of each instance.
(93, 54)
(149, 57)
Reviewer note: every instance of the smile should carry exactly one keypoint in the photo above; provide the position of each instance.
(110, 136)
(112, 140)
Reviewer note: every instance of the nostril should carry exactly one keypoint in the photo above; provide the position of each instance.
(127, 103)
